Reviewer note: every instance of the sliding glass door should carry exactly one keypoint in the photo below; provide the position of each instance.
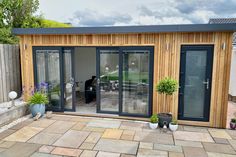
(124, 76)
(53, 74)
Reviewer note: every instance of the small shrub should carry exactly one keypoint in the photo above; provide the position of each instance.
(38, 98)
(154, 118)
(174, 122)
(233, 120)
(167, 86)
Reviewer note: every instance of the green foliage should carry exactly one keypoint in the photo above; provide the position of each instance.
(233, 120)
(38, 98)
(50, 23)
(174, 122)
(154, 118)
(167, 86)
(6, 37)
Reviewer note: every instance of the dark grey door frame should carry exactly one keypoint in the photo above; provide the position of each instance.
(208, 74)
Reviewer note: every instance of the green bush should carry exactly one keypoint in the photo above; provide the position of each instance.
(174, 122)
(167, 86)
(50, 23)
(233, 120)
(38, 98)
(154, 118)
(6, 37)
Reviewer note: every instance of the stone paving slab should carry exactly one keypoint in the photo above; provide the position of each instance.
(45, 138)
(195, 129)
(6, 133)
(170, 148)
(22, 124)
(94, 129)
(23, 134)
(112, 133)
(46, 149)
(72, 139)
(193, 136)
(194, 152)
(107, 154)
(66, 151)
(93, 137)
(154, 137)
(145, 145)
(86, 145)
(42, 123)
(219, 148)
(60, 127)
(20, 150)
(7, 144)
(88, 153)
(232, 133)
(219, 133)
(38, 154)
(129, 125)
(175, 154)
(101, 123)
(233, 143)
(117, 146)
(151, 153)
(188, 143)
(211, 154)
(79, 126)
(221, 141)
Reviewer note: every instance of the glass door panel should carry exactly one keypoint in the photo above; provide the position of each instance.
(108, 78)
(68, 80)
(136, 83)
(48, 75)
(195, 82)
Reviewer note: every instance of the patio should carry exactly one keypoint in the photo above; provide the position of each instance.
(89, 137)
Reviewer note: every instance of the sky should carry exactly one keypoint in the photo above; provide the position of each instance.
(135, 12)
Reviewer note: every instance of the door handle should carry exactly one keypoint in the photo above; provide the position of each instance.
(206, 83)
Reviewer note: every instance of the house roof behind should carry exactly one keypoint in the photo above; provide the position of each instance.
(129, 29)
(225, 21)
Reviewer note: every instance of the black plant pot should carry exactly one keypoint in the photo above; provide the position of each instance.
(164, 118)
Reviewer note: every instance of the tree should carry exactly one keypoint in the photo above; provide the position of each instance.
(19, 13)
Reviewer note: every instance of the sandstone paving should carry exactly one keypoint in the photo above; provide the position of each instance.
(89, 153)
(94, 129)
(38, 154)
(66, 151)
(127, 125)
(86, 145)
(23, 134)
(194, 152)
(151, 153)
(188, 143)
(46, 149)
(22, 124)
(107, 154)
(233, 143)
(211, 154)
(176, 154)
(42, 123)
(219, 148)
(20, 150)
(219, 133)
(127, 155)
(195, 129)
(93, 137)
(117, 146)
(45, 138)
(232, 133)
(171, 148)
(193, 136)
(112, 133)
(79, 126)
(221, 140)
(72, 139)
(7, 144)
(60, 127)
(145, 145)
(6, 133)
(154, 137)
(101, 123)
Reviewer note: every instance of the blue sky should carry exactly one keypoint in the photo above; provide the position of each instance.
(135, 12)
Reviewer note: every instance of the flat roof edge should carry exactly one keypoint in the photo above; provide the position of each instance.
(128, 29)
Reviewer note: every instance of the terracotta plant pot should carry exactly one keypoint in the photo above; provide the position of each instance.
(232, 125)
(153, 125)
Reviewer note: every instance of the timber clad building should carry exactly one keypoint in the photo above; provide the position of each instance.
(128, 62)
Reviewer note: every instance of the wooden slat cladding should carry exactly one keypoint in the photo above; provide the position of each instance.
(166, 62)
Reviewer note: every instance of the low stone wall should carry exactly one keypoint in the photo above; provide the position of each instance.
(13, 114)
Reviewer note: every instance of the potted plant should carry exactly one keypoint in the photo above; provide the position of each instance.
(167, 86)
(153, 121)
(173, 125)
(37, 103)
(233, 123)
